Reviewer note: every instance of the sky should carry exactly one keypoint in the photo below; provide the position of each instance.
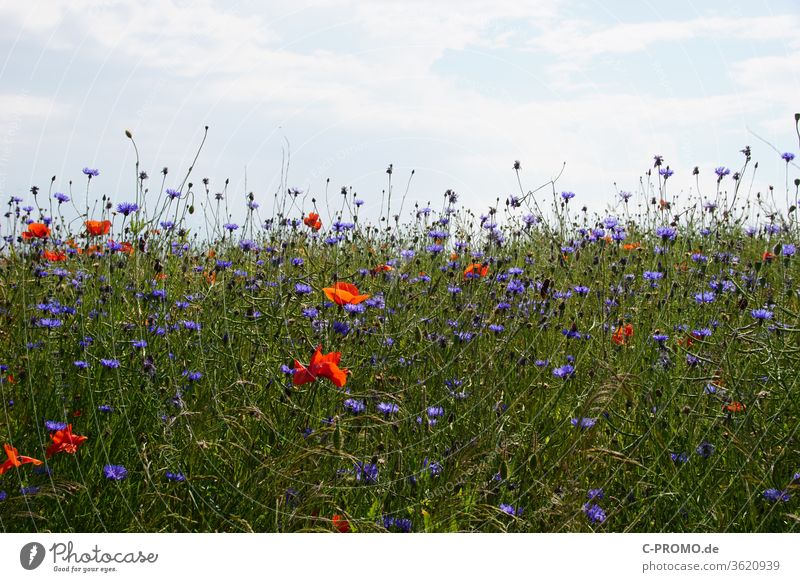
(456, 91)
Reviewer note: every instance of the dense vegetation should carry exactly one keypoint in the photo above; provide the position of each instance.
(515, 371)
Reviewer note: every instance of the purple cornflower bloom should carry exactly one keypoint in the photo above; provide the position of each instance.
(366, 472)
(595, 494)
(387, 408)
(355, 406)
(115, 472)
(110, 363)
(564, 371)
(705, 449)
(761, 314)
(775, 495)
(594, 512)
(511, 510)
(91, 172)
(583, 422)
(127, 207)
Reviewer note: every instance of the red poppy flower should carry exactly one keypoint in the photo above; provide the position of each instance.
(632, 246)
(622, 333)
(381, 269)
(15, 459)
(313, 221)
(476, 270)
(54, 256)
(767, 256)
(98, 227)
(326, 366)
(734, 407)
(65, 442)
(36, 230)
(344, 293)
(340, 523)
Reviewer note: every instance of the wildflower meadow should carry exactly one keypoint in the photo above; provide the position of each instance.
(179, 357)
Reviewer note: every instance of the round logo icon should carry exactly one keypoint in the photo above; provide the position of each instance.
(31, 555)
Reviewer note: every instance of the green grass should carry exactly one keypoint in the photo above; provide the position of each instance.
(237, 433)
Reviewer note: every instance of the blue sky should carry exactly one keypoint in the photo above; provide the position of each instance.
(454, 90)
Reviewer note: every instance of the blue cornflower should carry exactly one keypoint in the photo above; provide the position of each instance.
(583, 422)
(787, 156)
(567, 196)
(341, 327)
(302, 289)
(565, 371)
(230, 226)
(192, 376)
(91, 172)
(115, 472)
(61, 197)
(80, 364)
(594, 512)
(366, 472)
(511, 510)
(705, 297)
(172, 193)
(788, 250)
(105, 408)
(177, 477)
(127, 208)
(679, 458)
(666, 232)
(387, 408)
(53, 425)
(595, 494)
(110, 363)
(705, 449)
(721, 171)
(355, 406)
(3, 495)
(191, 325)
(400, 524)
(435, 411)
(775, 495)
(761, 314)
(515, 286)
